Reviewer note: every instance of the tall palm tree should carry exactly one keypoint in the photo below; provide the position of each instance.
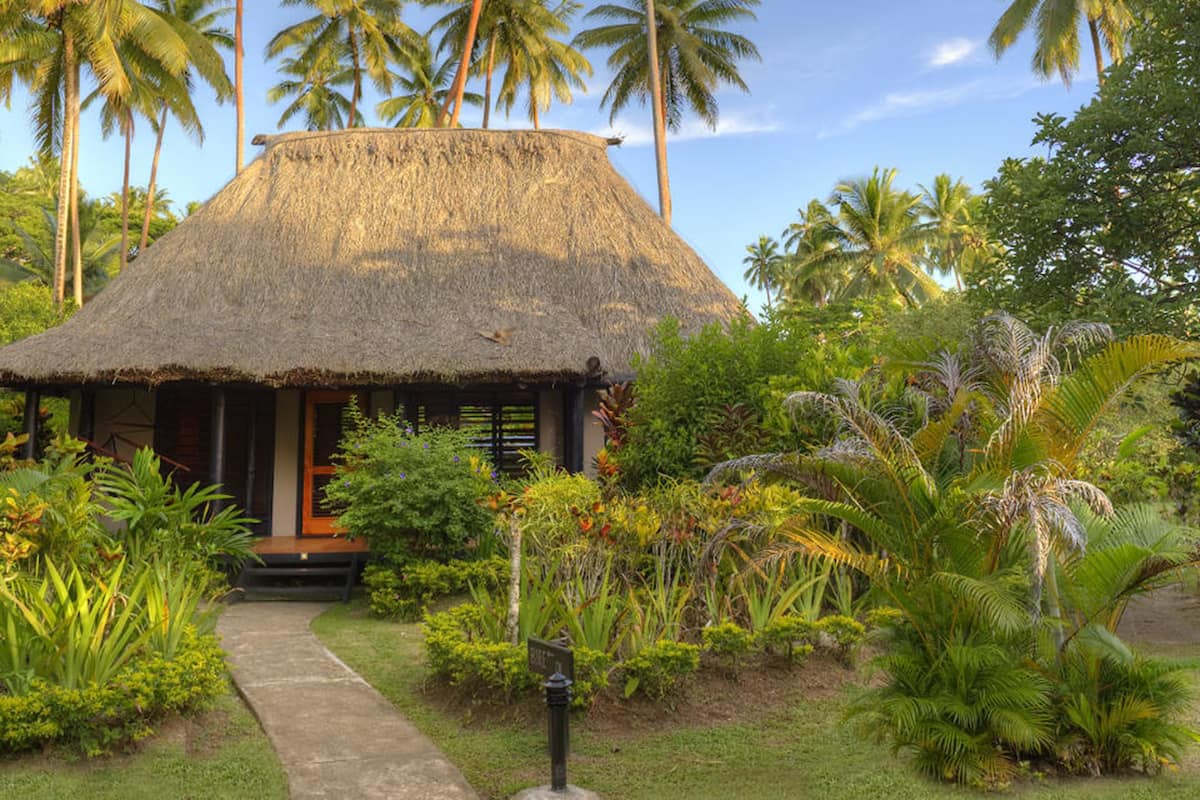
(47, 46)
(519, 36)
(319, 91)
(696, 54)
(813, 274)
(198, 24)
(424, 88)
(1056, 24)
(948, 206)
(764, 265)
(239, 87)
(455, 98)
(883, 239)
(364, 33)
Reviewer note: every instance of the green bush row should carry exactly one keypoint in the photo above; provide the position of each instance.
(405, 592)
(790, 636)
(97, 718)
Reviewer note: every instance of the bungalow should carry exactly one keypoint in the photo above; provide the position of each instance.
(493, 280)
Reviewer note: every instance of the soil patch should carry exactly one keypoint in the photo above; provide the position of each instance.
(1170, 616)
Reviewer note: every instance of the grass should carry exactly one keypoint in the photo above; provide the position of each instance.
(801, 750)
(217, 754)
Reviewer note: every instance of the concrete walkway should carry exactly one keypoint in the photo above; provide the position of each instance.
(336, 736)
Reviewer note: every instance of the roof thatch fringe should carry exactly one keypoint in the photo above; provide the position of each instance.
(385, 256)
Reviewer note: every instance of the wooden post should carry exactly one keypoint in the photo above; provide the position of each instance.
(573, 428)
(216, 459)
(87, 415)
(31, 420)
(251, 454)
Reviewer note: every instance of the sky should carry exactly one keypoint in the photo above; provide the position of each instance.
(841, 88)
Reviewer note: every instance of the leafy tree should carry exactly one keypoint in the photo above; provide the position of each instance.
(424, 87)
(1056, 25)
(1108, 224)
(696, 54)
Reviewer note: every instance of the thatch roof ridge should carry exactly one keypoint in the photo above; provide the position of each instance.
(389, 256)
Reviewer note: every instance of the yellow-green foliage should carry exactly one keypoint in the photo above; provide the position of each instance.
(728, 640)
(405, 592)
(658, 669)
(97, 718)
(790, 634)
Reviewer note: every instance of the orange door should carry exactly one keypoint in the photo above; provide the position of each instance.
(323, 413)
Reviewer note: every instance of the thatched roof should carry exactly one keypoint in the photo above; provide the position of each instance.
(387, 256)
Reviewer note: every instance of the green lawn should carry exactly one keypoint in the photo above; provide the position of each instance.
(800, 751)
(220, 753)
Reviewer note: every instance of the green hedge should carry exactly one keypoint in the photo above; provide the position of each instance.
(405, 592)
(457, 653)
(97, 718)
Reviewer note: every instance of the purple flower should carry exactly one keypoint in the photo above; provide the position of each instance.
(495, 475)
(346, 484)
(408, 429)
(426, 445)
(403, 475)
(456, 459)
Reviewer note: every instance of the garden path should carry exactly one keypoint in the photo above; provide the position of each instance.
(336, 736)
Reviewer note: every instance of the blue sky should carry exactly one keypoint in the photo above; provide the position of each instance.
(841, 88)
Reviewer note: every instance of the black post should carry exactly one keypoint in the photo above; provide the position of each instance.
(251, 454)
(216, 453)
(31, 420)
(573, 433)
(558, 698)
(87, 415)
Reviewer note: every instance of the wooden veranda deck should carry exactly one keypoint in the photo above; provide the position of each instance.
(300, 545)
(304, 565)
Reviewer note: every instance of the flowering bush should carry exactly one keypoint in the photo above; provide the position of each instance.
(414, 495)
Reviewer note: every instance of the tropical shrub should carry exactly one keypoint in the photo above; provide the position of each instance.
(404, 592)
(961, 507)
(729, 641)
(659, 669)
(414, 495)
(98, 717)
(791, 635)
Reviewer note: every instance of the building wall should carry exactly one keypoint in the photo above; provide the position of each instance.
(287, 463)
(124, 420)
(593, 432)
(550, 427)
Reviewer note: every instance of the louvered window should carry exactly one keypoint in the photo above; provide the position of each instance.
(500, 424)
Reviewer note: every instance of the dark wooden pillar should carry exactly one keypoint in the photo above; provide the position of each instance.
(216, 460)
(573, 428)
(87, 415)
(31, 420)
(251, 454)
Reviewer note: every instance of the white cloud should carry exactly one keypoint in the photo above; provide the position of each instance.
(922, 101)
(951, 51)
(730, 124)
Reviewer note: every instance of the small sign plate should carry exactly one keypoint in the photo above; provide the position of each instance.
(547, 658)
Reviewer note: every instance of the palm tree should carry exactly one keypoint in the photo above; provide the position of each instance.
(47, 46)
(949, 207)
(198, 25)
(695, 56)
(455, 98)
(364, 33)
(36, 263)
(1057, 23)
(424, 88)
(318, 89)
(239, 87)
(883, 239)
(764, 264)
(813, 274)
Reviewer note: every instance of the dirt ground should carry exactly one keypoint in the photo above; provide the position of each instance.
(1170, 616)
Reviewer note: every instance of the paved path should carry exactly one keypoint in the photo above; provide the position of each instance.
(336, 736)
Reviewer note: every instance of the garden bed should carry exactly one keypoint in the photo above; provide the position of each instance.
(775, 733)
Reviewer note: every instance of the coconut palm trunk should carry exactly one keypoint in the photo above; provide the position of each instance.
(356, 93)
(239, 88)
(512, 624)
(128, 125)
(76, 239)
(657, 102)
(162, 126)
(487, 85)
(71, 92)
(1094, 30)
(460, 79)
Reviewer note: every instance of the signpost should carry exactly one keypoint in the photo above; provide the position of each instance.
(556, 663)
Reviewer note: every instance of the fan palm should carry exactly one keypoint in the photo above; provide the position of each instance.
(318, 92)
(764, 265)
(696, 54)
(883, 239)
(362, 35)
(1056, 24)
(424, 88)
